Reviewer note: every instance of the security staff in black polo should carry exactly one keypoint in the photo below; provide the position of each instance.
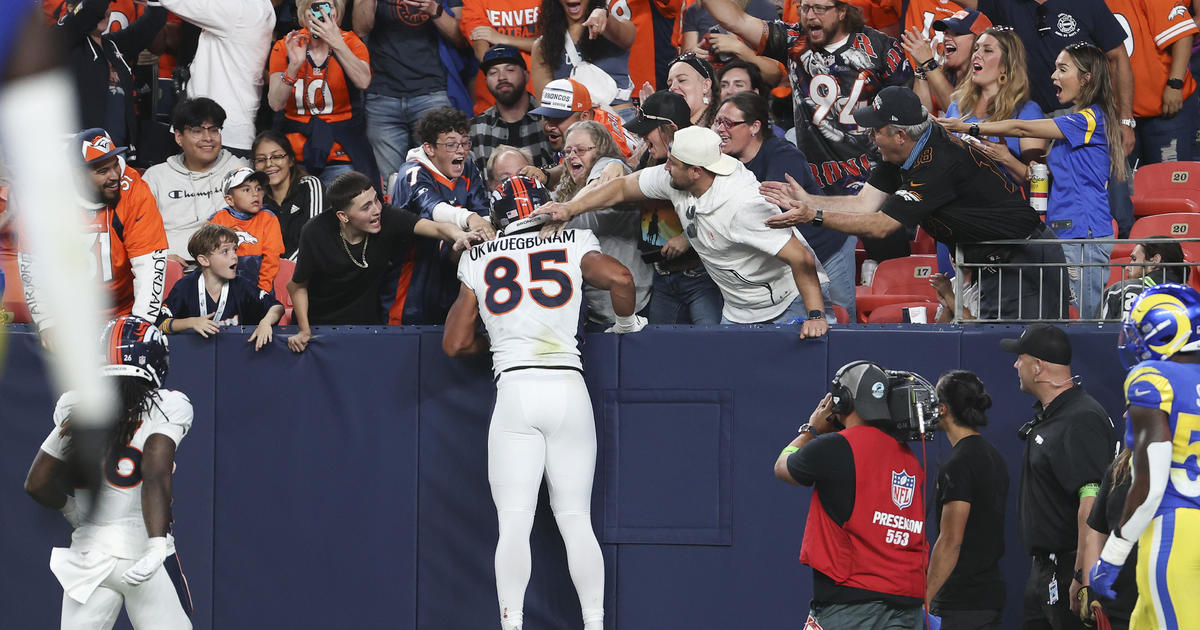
(952, 190)
(1068, 445)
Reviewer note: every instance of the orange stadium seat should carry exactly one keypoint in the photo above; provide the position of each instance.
(286, 269)
(894, 313)
(1165, 188)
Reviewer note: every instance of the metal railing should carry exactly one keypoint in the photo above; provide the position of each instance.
(1066, 271)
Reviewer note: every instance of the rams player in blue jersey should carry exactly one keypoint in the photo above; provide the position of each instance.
(1162, 511)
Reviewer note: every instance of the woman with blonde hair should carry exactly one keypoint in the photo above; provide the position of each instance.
(587, 149)
(997, 88)
(1087, 147)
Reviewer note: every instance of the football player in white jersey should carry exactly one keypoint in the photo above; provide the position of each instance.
(528, 290)
(121, 551)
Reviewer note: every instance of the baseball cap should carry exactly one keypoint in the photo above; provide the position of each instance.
(502, 54)
(563, 97)
(658, 109)
(97, 145)
(701, 146)
(963, 22)
(895, 105)
(1043, 341)
(239, 177)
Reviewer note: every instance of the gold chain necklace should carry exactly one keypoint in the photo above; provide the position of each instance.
(346, 246)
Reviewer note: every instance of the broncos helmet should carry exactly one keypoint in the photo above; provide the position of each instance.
(1161, 322)
(514, 200)
(135, 347)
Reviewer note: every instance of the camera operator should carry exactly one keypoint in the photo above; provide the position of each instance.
(868, 563)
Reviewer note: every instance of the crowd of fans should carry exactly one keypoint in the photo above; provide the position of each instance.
(225, 109)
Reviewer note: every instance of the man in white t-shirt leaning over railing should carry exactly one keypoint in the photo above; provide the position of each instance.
(760, 272)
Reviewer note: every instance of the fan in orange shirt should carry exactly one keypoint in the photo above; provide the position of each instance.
(488, 23)
(1159, 35)
(260, 241)
(127, 239)
(314, 74)
(124, 12)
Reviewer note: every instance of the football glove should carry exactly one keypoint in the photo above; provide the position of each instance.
(148, 564)
(630, 324)
(1103, 575)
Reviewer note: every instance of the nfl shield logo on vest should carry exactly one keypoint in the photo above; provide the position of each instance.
(903, 485)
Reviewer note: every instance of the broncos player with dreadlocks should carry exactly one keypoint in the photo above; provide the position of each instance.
(121, 542)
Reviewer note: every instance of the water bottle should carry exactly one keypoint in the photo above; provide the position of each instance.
(1039, 188)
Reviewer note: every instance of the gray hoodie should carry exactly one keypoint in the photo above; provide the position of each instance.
(186, 199)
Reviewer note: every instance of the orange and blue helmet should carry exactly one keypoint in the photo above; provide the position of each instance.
(135, 347)
(1160, 323)
(515, 199)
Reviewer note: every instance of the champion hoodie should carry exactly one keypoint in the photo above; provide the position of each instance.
(187, 199)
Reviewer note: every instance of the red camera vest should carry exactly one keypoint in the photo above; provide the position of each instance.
(881, 547)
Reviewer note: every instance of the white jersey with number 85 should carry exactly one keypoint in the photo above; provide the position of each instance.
(530, 290)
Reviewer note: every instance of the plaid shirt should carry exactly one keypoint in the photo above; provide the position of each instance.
(488, 131)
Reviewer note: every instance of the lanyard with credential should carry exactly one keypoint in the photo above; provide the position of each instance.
(204, 300)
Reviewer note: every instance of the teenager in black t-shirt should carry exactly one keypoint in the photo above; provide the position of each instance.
(965, 586)
(346, 252)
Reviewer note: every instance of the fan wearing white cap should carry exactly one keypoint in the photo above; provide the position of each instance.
(764, 277)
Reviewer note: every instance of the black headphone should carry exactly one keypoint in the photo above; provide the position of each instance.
(843, 396)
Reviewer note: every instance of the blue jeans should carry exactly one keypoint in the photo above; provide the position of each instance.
(681, 299)
(331, 171)
(1087, 283)
(390, 125)
(1160, 139)
(840, 269)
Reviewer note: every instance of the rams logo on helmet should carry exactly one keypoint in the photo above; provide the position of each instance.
(1162, 321)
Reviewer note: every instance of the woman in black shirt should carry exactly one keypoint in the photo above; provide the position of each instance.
(965, 586)
(294, 196)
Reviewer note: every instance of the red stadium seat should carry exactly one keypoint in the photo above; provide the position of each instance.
(909, 275)
(174, 273)
(842, 315)
(1174, 225)
(1166, 188)
(894, 313)
(865, 304)
(286, 269)
(923, 243)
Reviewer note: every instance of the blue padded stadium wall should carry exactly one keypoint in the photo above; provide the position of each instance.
(347, 487)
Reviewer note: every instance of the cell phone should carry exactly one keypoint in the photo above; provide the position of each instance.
(321, 10)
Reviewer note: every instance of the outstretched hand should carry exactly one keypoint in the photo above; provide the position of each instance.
(557, 211)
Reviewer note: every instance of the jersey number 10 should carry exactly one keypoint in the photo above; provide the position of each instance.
(501, 278)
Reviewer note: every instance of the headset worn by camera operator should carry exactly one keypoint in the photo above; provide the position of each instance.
(899, 402)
